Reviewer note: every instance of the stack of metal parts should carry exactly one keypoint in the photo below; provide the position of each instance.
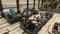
(51, 6)
(40, 23)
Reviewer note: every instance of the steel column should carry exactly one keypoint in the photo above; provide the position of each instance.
(38, 4)
(34, 4)
(1, 8)
(27, 4)
(41, 2)
(18, 8)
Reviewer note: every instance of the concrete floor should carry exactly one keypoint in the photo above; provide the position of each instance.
(4, 25)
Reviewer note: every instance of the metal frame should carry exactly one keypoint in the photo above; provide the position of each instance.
(33, 4)
(1, 8)
(17, 2)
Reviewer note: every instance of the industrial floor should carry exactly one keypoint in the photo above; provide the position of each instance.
(5, 26)
(15, 28)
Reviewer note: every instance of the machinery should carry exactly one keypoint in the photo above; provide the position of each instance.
(56, 28)
(50, 6)
(31, 10)
(28, 25)
(10, 16)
